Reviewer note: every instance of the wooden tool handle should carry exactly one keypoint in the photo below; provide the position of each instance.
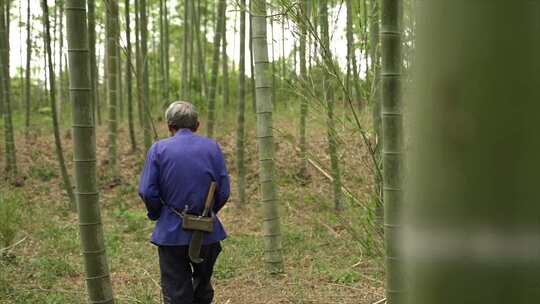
(209, 199)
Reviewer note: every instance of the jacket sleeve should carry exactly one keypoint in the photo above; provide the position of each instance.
(222, 180)
(149, 184)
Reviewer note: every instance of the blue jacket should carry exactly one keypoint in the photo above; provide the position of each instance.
(178, 171)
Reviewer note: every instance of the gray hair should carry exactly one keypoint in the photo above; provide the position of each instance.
(181, 115)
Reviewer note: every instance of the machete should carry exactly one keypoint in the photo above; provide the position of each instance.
(197, 237)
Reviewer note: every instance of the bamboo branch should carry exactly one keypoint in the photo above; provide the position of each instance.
(13, 245)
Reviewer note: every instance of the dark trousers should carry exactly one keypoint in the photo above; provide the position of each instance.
(184, 282)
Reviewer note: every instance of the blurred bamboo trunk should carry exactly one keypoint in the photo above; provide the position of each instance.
(5, 86)
(472, 225)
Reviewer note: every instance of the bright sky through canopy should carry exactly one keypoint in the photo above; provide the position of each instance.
(337, 23)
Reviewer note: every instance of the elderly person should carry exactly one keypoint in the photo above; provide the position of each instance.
(176, 177)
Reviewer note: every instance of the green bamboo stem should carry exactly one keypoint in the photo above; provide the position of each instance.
(375, 101)
(119, 82)
(265, 138)
(225, 61)
(350, 44)
(200, 49)
(163, 91)
(111, 28)
(145, 81)
(184, 93)
(392, 127)
(215, 66)
(129, 79)
(94, 79)
(54, 115)
(98, 280)
(330, 122)
(61, 99)
(304, 101)
(166, 49)
(252, 65)
(273, 63)
(472, 230)
(5, 86)
(28, 75)
(138, 66)
(240, 119)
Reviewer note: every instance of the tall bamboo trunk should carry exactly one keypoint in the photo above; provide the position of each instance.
(145, 76)
(330, 122)
(273, 63)
(350, 45)
(191, 77)
(375, 96)
(94, 79)
(28, 75)
(5, 86)
(20, 72)
(472, 229)
(225, 61)
(138, 66)
(284, 61)
(167, 83)
(240, 119)
(200, 49)
(304, 102)
(215, 66)
(251, 63)
(60, 63)
(98, 281)
(392, 127)
(52, 96)
(162, 76)
(120, 88)
(112, 83)
(269, 199)
(184, 93)
(374, 53)
(129, 85)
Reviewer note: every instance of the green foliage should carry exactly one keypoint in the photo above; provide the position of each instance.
(237, 253)
(52, 268)
(45, 111)
(43, 172)
(10, 218)
(131, 221)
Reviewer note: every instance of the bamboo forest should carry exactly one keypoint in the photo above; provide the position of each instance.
(270, 151)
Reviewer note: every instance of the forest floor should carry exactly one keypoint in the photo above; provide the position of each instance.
(329, 258)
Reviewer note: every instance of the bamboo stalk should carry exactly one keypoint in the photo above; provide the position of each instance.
(98, 279)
